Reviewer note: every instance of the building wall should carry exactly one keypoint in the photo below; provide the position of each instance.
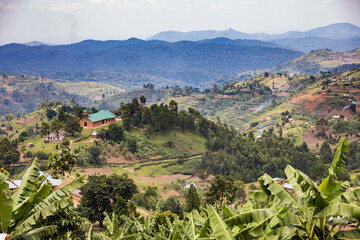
(95, 124)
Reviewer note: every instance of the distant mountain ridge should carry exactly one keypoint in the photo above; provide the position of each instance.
(333, 31)
(189, 62)
(338, 37)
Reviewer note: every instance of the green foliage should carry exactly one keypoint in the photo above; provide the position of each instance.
(34, 211)
(222, 190)
(93, 156)
(148, 199)
(101, 192)
(173, 205)
(192, 200)
(62, 162)
(115, 133)
(72, 125)
(246, 159)
(8, 152)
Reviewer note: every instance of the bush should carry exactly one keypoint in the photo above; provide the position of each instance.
(253, 187)
(42, 155)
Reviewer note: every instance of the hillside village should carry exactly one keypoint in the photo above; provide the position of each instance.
(165, 149)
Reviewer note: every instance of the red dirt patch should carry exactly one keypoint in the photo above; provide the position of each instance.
(25, 120)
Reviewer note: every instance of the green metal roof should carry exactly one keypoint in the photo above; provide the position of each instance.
(85, 110)
(102, 115)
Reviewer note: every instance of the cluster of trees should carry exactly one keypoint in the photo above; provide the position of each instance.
(163, 117)
(247, 159)
(65, 118)
(9, 154)
(107, 193)
(311, 211)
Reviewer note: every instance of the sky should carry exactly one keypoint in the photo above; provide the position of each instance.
(68, 21)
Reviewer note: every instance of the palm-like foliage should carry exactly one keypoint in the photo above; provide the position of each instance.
(32, 204)
(311, 212)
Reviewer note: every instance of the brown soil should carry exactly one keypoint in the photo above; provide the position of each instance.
(25, 120)
(167, 194)
(102, 170)
(167, 179)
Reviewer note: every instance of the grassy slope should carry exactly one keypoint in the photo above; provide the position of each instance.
(31, 90)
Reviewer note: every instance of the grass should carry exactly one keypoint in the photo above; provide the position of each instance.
(185, 143)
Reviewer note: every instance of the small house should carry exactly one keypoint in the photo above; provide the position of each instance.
(336, 117)
(98, 119)
(56, 136)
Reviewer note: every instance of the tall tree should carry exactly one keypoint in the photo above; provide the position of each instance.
(192, 199)
(72, 125)
(221, 189)
(325, 152)
(8, 152)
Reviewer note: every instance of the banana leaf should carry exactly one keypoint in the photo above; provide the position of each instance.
(6, 205)
(340, 209)
(219, 227)
(256, 216)
(27, 184)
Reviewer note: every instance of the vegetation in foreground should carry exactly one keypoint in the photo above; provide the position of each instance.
(309, 211)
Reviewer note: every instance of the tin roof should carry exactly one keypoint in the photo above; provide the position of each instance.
(103, 114)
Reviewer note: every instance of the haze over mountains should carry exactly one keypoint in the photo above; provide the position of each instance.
(337, 37)
(189, 62)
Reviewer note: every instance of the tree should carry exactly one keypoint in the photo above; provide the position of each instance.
(55, 125)
(148, 199)
(132, 146)
(61, 116)
(221, 189)
(173, 205)
(100, 193)
(125, 208)
(94, 155)
(142, 100)
(8, 152)
(103, 96)
(192, 199)
(72, 125)
(62, 162)
(325, 152)
(115, 133)
(72, 101)
(146, 115)
(45, 129)
(50, 113)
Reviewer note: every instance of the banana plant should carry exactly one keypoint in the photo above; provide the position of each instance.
(32, 204)
(309, 212)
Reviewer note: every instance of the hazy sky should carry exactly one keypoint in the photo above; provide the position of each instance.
(65, 21)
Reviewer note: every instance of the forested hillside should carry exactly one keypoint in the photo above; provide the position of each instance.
(191, 63)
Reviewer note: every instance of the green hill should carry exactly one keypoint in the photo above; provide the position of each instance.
(25, 92)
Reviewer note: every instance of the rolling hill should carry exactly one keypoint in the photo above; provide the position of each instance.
(190, 63)
(25, 92)
(320, 60)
